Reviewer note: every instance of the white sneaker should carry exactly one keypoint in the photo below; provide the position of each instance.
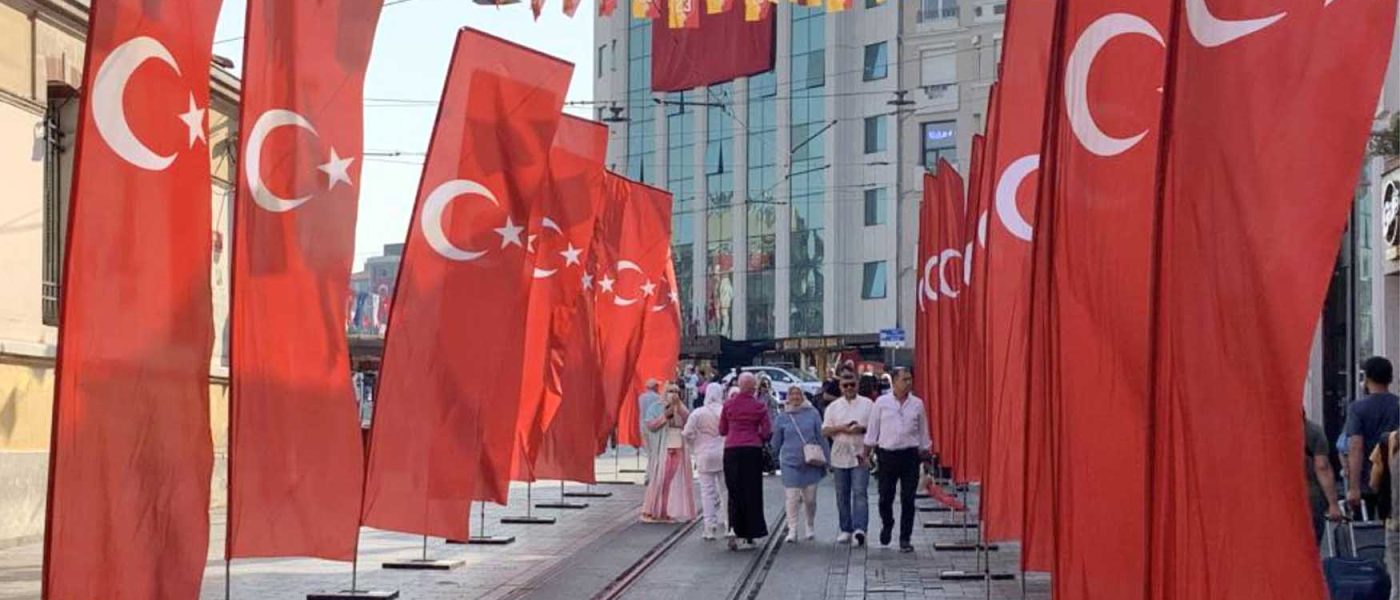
(809, 536)
(791, 537)
(730, 533)
(844, 538)
(709, 533)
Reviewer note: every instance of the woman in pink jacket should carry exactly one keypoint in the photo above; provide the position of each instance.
(746, 426)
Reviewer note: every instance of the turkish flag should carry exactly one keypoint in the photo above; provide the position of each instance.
(560, 238)
(943, 286)
(924, 365)
(296, 455)
(1017, 141)
(632, 245)
(974, 345)
(1091, 338)
(661, 328)
(131, 453)
(1270, 106)
(449, 390)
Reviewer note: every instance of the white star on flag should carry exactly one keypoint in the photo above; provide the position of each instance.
(510, 233)
(607, 283)
(648, 289)
(587, 281)
(675, 299)
(194, 120)
(571, 255)
(337, 170)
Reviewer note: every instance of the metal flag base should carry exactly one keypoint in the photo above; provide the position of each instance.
(975, 576)
(617, 482)
(561, 505)
(528, 520)
(633, 471)
(588, 494)
(969, 525)
(481, 537)
(954, 547)
(935, 509)
(354, 595)
(423, 565)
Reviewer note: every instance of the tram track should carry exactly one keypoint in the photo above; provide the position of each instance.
(747, 587)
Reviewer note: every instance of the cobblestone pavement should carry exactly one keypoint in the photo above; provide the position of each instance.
(585, 549)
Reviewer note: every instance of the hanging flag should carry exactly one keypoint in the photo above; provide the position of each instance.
(924, 365)
(449, 389)
(537, 8)
(131, 454)
(975, 252)
(633, 241)
(1021, 116)
(296, 458)
(837, 5)
(710, 49)
(1240, 282)
(661, 327)
(1096, 214)
(571, 7)
(560, 238)
(758, 10)
(605, 7)
(683, 14)
(945, 287)
(956, 317)
(646, 9)
(713, 7)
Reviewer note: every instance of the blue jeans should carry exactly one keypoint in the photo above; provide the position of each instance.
(853, 498)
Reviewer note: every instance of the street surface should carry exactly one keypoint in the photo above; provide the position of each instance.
(587, 550)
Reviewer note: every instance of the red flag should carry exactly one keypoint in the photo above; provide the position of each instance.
(444, 422)
(581, 424)
(1267, 100)
(975, 252)
(957, 316)
(634, 233)
(560, 237)
(945, 286)
(1095, 228)
(924, 365)
(606, 7)
(661, 328)
(296, 458)
(571, 7)
(709, 49)
(1017, 141)
(718, 6)
(131, 453)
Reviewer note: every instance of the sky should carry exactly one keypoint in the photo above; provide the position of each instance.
(411, 52)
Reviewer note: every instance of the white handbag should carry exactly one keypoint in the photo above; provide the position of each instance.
(812, 453)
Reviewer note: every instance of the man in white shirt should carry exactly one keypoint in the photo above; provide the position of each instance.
(845, 423)
(898, 432)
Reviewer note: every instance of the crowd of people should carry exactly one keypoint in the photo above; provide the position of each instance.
(1369, 455)
(736, 430)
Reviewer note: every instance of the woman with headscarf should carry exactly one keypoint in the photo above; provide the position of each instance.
(795, 433)
(702, 433)
(669, 498)
(745, 424)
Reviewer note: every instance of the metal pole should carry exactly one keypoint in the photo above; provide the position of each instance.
(482, 526)
(425, 548)
(228, 579)
(529, 502)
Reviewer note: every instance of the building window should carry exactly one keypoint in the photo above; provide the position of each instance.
(720, 210)
(876, 134)
(59, 131)
(641, 112)
(933, 10)
(874, 3)
(602, 60)
(940, 141)
(875, 206)
(807, 193)
(873, 283)
(877, 64)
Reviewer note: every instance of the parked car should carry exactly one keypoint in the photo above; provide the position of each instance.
(783, 378)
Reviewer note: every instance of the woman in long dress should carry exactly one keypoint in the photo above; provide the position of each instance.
(797, 426)
(669, 497)
(746, 426)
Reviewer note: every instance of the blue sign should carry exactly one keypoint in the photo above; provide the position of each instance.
(892, 338)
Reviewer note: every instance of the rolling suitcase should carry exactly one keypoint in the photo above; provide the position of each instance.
(1356, 577)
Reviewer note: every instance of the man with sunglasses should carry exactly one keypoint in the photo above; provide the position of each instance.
(845, 422)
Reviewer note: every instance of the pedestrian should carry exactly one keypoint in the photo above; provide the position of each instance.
(746, 427)
(645, 402)
(803, 454)
(1368, 420)
(898, 431)
(702, 433)
(668, 497)
(1385, 465)
(847, 419)
(765, 395)
(1322, 482)
(692, 384)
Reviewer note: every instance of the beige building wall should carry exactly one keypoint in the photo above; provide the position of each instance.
(40, 45)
